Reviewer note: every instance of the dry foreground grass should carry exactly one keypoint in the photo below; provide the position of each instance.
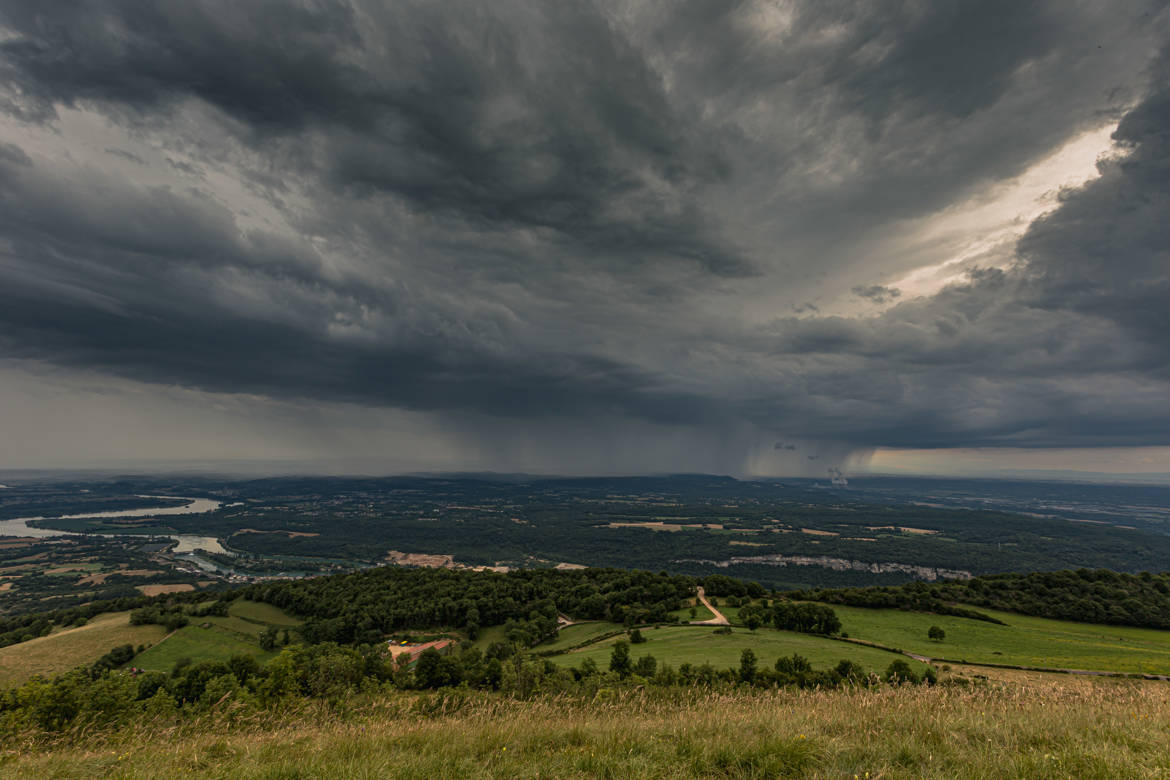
(1026, 726)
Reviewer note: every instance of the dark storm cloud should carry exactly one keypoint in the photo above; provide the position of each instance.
(899, 106)
(533, 211)
(504, 119)
(112, 307)
(877, 293)
(1070, 347)
(125, 155)
(11, 154)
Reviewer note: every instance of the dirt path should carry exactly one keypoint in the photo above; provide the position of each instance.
(718, 620)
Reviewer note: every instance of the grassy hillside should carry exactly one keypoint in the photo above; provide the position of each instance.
(259, 612)
(223, 637)
(676, 645)
(1101, 596)
(701, 612)
(1061, 727)
(1024, 641)
(219, 638)
(213, 643)
(572, 636)
(65, 649)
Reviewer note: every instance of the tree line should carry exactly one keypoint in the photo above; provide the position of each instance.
(367, 605)
(102, 696)
(1085, 595)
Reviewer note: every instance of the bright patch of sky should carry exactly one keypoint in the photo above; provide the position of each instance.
(980, 232)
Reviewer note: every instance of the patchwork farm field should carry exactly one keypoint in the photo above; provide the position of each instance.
(219, 638)
(571, 636)
(1024, 641)
(214, 643)
(65, 649)
(676, 645)
(68, 648)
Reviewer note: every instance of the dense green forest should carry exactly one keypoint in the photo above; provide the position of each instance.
(364, 606)
(1088, 596)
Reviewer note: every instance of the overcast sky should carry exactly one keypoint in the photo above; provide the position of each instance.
(747, 238)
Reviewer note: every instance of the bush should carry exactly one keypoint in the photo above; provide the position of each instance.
(646, 666)
(899, 672)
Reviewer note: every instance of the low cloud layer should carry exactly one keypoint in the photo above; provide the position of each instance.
(573, 232)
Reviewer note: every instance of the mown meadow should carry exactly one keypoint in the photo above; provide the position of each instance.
(1023, 640)
(677, 645)
(67, 647)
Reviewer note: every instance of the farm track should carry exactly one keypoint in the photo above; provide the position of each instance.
(718, 620)
(721, 620)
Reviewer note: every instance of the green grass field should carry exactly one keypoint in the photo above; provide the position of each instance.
(65, 649)
(1025, 641)
(263, 613)
(575, 635)
(488, 635)
(236, 634)
(245, 628)
(701, 612)
(215, 643)
(676, 645)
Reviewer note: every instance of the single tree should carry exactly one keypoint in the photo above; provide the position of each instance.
(268, 638)
(936, 633)
(619, 660)
(636, 637)
(747, 665)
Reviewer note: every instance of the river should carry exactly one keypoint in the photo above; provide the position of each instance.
(187, 543)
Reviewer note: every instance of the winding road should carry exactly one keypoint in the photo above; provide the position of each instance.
(718, 620)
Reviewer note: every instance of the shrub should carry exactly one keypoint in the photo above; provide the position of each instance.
(899, 672)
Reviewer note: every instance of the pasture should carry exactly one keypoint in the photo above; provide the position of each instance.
(701, 612)
(267, 614)
(574, 635)
(214, 643)
(71, 647)
(676, 645)
(1024, 641)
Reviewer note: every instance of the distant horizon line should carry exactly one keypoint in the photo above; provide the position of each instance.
(261, 469)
